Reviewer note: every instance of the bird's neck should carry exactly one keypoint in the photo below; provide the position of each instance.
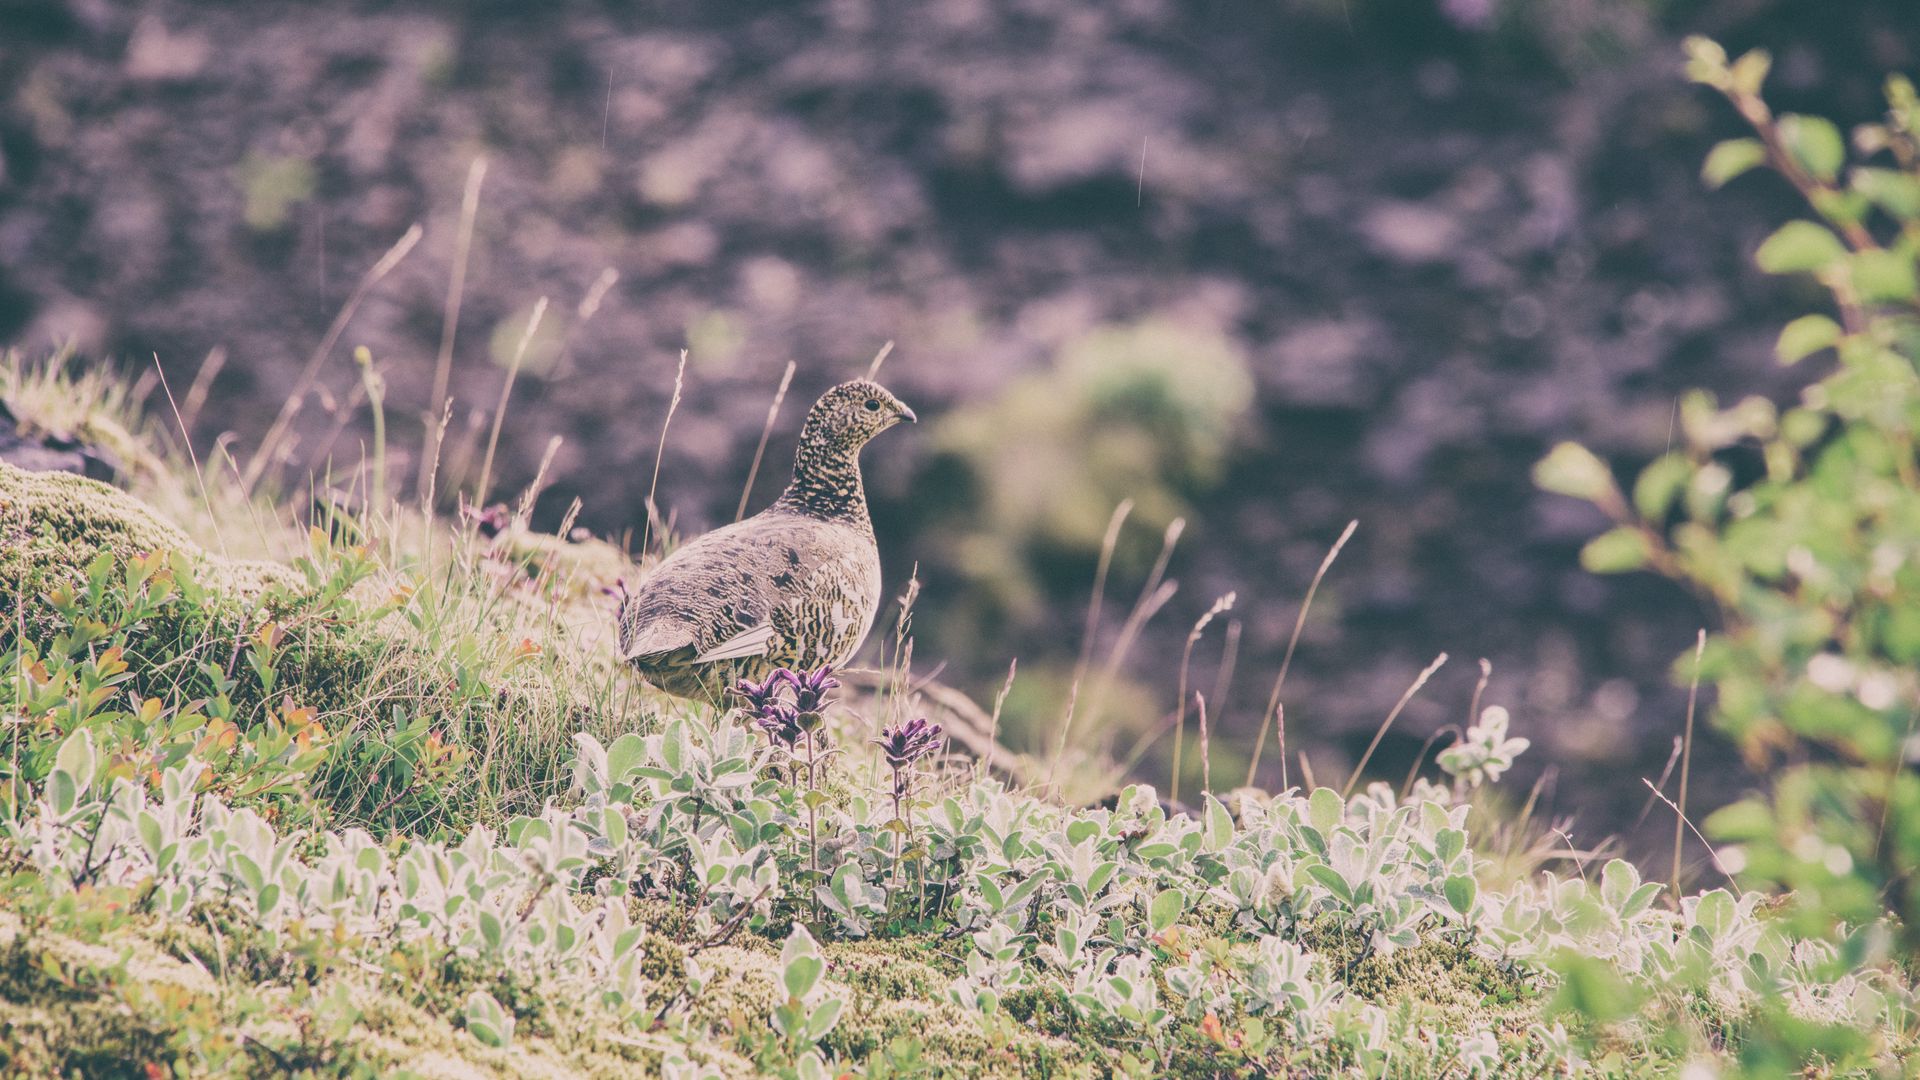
(826, 481)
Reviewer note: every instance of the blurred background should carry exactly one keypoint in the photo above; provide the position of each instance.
(1262, 265)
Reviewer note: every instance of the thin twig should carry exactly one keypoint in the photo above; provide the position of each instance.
(766, 432)
(1666, 773)
(1388, 722)
(1479, 688)
(270, 443)
(1286, 662)
(1413, 772)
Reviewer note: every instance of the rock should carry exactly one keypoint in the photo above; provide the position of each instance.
(51, 453)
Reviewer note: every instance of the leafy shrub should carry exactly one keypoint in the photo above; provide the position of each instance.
(1802, 525)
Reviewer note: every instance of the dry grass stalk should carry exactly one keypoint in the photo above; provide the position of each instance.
(1206, 754)
(189, 412)
(993, 723)
(873, 369)
(660, 452)
(1361, 765)
(1686, 763)
(500, 407)
(1286, 661)
(270, 444)
(1225, 603)
(450, 315)
(1153, 596)
(766, 432)
(1108, 543)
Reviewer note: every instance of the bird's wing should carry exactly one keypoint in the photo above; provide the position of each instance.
(827, 616)
(751, 642)
(661, 639)
(719, 592)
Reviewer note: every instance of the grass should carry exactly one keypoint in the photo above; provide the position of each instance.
(443, 687)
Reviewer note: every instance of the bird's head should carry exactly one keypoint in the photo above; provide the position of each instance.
(853, 412)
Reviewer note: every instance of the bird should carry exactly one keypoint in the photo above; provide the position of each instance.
(795, 586)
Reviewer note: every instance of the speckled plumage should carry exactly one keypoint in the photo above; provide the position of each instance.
(796, 585)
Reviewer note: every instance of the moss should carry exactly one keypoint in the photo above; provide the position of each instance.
(1441, 975)
(54, 524)
(142, 994)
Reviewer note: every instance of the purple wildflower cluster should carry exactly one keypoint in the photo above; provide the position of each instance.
(787, 704)
(908, 743)
(902, 746)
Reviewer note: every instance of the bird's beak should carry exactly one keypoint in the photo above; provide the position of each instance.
(907, 415)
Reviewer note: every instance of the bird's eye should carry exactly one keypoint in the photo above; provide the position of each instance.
(873, 404)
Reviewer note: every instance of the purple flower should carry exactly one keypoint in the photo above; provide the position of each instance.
(809, 688)
(781, 723)
(908, 743)
(761, 695)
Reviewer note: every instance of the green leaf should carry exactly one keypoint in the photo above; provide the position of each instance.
(1618, 879)
(1640, 900)
(1748, 72)
(1219, 825)
(77, 758)
(1448, 844)
(1659, 484)
(1805, 336)
(1799, 246)
(1328, 876)
(1895, 192)
(824, 1018)
(801, 973)
(1706, 61)
(1325, 808)
(1815, 143)
(627, 752)
(1616, 551)
(1742, 821)
(1572, 469)
(1165, 909)
(1461, 891)
(1714, 912)
(1882, 276)
(1593, 988)
(1731, 158)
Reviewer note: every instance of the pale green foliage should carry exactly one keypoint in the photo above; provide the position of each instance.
(1486, 752)
(1814, 559)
